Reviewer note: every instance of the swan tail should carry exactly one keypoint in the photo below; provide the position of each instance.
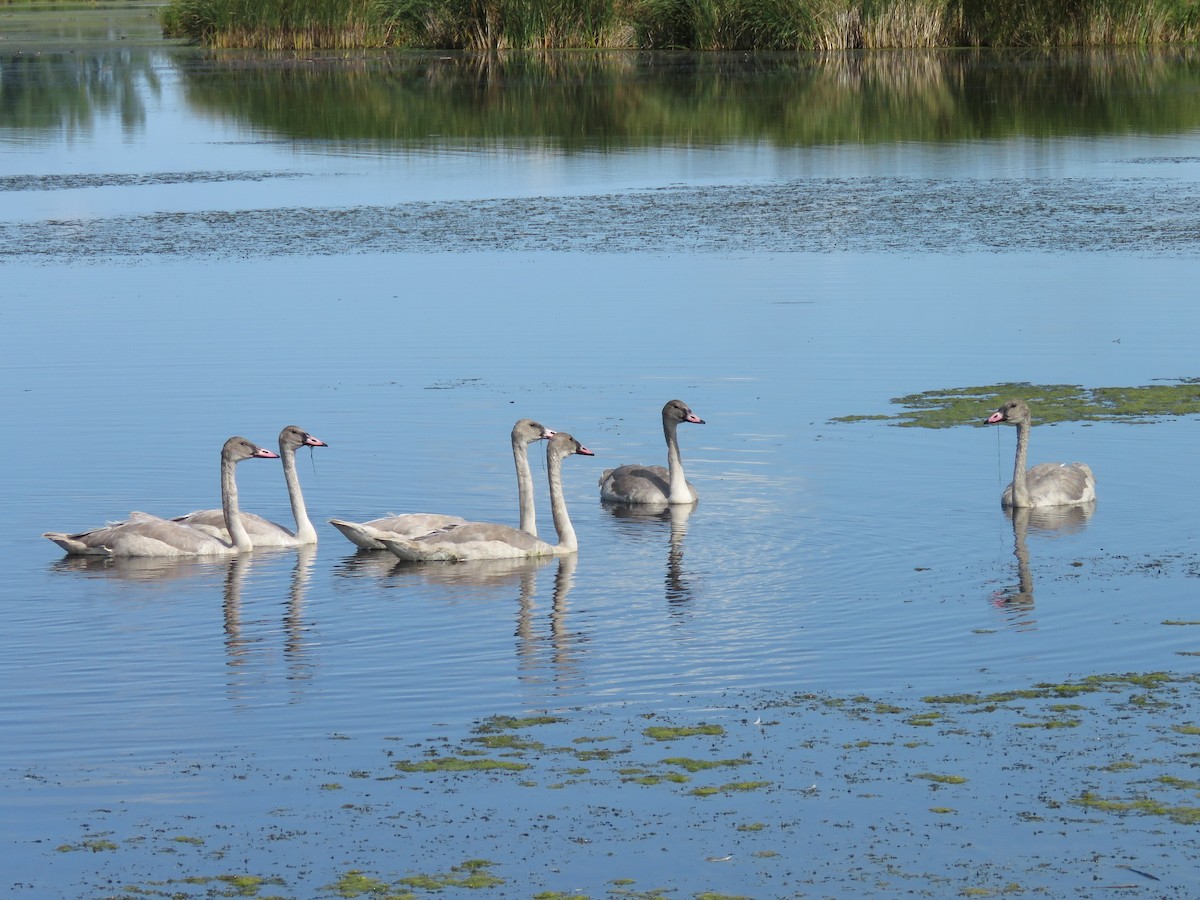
(359, 535)
(74, 546)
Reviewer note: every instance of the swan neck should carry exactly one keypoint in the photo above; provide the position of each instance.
(525, 487)
(1020, 495)
(558, 507)
(304, 527)
(679, 492)
(229, 506)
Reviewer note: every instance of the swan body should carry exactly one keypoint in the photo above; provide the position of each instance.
(1046, 484)
(654, 484)
(371, 535)
(146, 535)
(264, 533)
(484, 540)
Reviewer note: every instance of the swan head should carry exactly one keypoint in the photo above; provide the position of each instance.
(292, 436)
(1012, 412)
(563, 445)
(238, 448)
(678, 411)
(526, 431)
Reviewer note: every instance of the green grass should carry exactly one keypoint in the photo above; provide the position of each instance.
(488, 25)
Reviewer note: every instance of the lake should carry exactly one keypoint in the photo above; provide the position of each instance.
(845, 672)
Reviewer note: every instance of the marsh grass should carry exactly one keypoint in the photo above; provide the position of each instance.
(490, 25)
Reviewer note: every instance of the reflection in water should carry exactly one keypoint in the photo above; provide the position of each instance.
(57, 93)
(677, 588)
(138, 568)
(617, 100)
(241, 646)
(562, 643)
(491, 578)
(1049, 520)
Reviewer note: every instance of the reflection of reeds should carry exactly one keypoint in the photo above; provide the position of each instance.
(683, 24)
(622, 99)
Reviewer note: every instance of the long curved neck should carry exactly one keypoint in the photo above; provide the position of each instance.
(304, 527)
(524, 487)
(567, 541)
(679, 488)
(229, 505)
(1020, 495)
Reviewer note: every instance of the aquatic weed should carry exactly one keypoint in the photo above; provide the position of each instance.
(1051, 403)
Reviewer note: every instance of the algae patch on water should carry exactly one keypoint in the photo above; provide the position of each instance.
(1050, 403)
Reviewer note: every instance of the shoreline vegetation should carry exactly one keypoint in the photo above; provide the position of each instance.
(724, 25)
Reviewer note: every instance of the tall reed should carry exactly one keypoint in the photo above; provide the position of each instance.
(489, 25)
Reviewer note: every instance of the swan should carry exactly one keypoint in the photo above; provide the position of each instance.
(264, 533)
(654, 484)
(369, 535)
(483, 540)
(147, 535)
(1046, 484)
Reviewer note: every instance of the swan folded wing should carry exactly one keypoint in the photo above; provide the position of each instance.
(471, 540)
(370, 535)
(142, 535)
(1060, 484)
(1057, 484)
(635, 484)
(263, 532)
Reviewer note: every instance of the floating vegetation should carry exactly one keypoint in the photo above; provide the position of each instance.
(699, 765)
(1184, 815)
(732, 787)
(472, 874)
(458, 764)
(667, 733)
(941, 779)
(1050, 403)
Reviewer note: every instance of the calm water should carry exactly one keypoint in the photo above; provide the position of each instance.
(404, 254)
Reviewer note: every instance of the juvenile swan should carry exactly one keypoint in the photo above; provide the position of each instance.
(146, 535)
(1047, 484)
(483, 540)
(264, 533)
(369, 535)
(654, 484)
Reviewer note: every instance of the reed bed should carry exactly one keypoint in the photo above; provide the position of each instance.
(488, 25)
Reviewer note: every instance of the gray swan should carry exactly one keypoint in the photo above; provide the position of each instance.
(264, 533)
(483, 540)
(654, 484)
(370, 535)
(1046, 484)
(147, 535)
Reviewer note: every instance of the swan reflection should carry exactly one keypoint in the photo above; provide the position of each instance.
(242, 646)
(677, 588)
(1046, 521)
(561, 641)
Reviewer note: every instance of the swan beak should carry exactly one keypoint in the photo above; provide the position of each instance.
(995, 417)
(264, 453)
(310, 441)
(584, 451)
(547, 434)
(694, 419)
